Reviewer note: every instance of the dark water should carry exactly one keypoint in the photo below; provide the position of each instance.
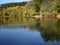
(30, 31)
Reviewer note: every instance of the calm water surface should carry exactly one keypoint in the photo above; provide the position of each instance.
(30, 31)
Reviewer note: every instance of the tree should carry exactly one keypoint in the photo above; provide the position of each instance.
(56, 5)
(37, 5)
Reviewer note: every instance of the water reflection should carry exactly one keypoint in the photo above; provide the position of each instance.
(49, 28)
(58, 24)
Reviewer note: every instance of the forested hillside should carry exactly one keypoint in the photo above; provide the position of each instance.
(30, 8)
(12, 4)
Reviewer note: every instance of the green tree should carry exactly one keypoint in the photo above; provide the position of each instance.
(37, 5)
(56, 5)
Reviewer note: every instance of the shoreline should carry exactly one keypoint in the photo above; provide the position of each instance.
(45, 16)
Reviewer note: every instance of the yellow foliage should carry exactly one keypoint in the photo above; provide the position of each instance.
(55, 12)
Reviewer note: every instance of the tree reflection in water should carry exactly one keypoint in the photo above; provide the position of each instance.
(48, 27)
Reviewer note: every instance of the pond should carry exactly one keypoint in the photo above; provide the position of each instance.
(30, 31)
